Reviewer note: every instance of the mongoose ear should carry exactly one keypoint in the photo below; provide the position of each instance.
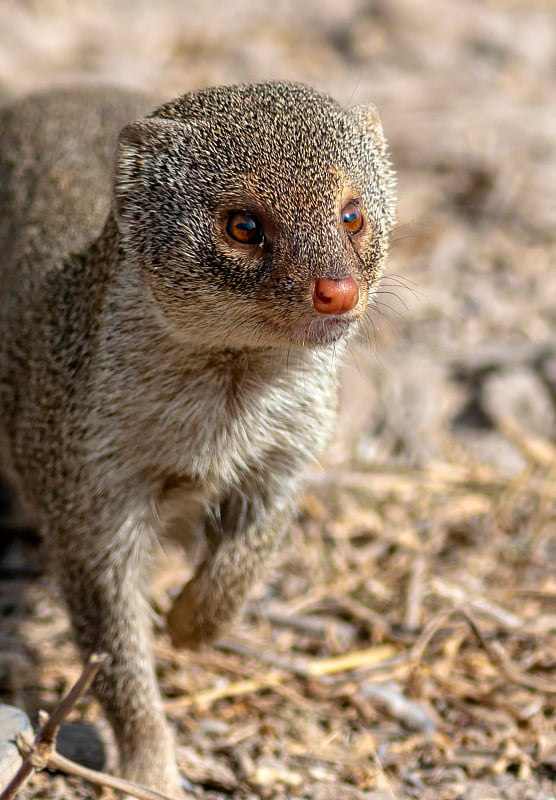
(369, 119)
(138, 146)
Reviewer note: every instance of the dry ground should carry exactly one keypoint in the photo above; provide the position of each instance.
(405, 642)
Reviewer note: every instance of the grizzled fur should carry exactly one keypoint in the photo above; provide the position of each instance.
(157, 377)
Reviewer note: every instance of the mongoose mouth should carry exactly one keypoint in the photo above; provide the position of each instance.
(325, 330)
(337, 306)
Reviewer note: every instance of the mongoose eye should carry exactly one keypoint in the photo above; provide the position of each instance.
(353, 218)
(244, 227)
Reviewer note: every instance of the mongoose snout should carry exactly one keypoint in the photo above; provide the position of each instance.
(335, 295)
(176, 293)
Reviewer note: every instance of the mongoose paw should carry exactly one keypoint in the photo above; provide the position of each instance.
(189, 624)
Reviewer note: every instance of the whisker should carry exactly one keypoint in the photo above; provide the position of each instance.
(401, 280)
(386, 311)
(390, 294)
(407, 230)
(353, 359)
(368, 337)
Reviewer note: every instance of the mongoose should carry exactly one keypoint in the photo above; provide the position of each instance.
(168, 349)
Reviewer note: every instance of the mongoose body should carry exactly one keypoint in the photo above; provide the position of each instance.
(168, 347)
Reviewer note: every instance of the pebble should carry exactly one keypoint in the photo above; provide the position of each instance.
(334, 791)
(377, 796)
(12, 722)
(415, 716)
(521, 394)
(482, 791)
(81, 742)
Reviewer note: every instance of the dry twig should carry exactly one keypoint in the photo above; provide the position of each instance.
(500, 659)
(40, 753)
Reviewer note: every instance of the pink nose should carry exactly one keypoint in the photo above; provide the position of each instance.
(335, 296)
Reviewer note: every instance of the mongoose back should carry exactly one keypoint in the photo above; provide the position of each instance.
(168, 347)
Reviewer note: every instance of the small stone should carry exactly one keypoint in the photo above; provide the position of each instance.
(415, 716)
(12, 722)
(81, 742)
(270, 772)
(377, 795)
(482, 791)
(548, 369)
(201, 768)
(333, 791)
(521, 394)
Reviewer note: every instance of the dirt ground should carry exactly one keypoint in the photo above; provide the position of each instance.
(404, 644)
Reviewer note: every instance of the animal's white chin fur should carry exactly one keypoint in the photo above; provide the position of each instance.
(309, 331)
(325, 330)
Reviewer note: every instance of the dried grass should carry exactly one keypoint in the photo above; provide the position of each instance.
(407, 635)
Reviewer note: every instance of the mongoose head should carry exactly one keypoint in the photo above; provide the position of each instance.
(258, 216)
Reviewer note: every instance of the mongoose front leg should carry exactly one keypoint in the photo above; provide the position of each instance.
(242, 534)
(105, 593)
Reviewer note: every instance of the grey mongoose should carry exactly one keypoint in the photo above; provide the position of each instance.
(169, 346)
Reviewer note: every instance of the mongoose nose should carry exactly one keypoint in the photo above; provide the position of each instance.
(335, 295)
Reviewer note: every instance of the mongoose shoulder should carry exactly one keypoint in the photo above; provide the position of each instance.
(168, 349)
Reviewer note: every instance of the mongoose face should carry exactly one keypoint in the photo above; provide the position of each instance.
(256, 218)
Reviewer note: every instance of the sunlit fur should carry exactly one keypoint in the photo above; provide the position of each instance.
(158, 377)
